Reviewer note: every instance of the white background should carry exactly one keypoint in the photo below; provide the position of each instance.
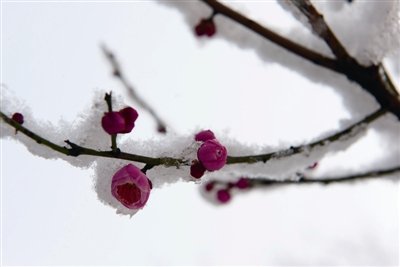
(50, 214)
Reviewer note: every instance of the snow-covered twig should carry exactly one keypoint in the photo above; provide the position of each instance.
(328, 180)
(118, 73)
(304, 179)
(76, 150)
(224, 190)
(372, 79)
(298, 149)
(321, 29)
(107, 98)
(270, 35)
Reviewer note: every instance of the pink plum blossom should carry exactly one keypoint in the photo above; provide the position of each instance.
(205, 27)
(121, 121)
(204, 136)
(130, 115)
(113, 122)
(197, 169)
(131, 187)
(210, 186)
(243, 183)
(18, 117)
(223, 196)
(212, 155)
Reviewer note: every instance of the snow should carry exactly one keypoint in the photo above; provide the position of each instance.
(355, 99)
(369, 30)
(86, 131)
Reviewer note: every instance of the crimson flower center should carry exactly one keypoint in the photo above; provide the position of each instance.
(128, 193)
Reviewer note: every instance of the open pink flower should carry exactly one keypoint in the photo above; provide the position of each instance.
(212, 155)
(131, 187)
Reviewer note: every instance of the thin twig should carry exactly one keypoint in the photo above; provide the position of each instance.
(327, 180)
(295, 150)
(108, 99)
(268, 181)
(117, 72)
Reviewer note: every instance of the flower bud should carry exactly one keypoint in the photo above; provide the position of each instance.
(210, 186)
(204, 136)
(205, 27)
(243, 183)
(212, 155)
(113, 122)
(197, 169)
(122, 121)
(18, 117)
(131, 187)
(130, 115)
(223, 196)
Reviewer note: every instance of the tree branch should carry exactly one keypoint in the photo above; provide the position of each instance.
(117, 72)
(296, 150)
(372, 79)
(327, 180)
(108, 100)
(321, 29)
(275, 38)
(76, 150)
(267, 181)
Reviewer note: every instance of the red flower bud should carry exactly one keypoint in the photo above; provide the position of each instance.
(223, 196)
(113, 122)
(197, 169)
(209, 186)
(243, 183)
(212, 155)
(18, 117)
(205, 27)
(204, 136)
(122, 121)
(130, 115)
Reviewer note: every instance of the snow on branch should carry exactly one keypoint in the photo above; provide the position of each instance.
(92, 140)
(75, 150)
(319, 26)
(168, 160)
(372, 79)
(221, 192)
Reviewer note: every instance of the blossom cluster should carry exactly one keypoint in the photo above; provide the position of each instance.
(223, 190)
(211, 155)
